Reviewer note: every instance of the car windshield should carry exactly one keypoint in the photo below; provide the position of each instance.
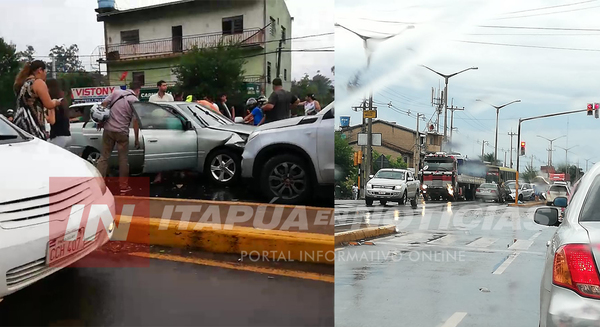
(389, 174)
(438, 165)
(9, 134)
(205, 116)
(558, 188)
(488, 186)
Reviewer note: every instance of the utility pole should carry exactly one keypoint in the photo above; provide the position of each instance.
(483, 148)
(504, 158)
(417, 158)
(586, 164)
(279, 55)
(363, 181)
(551, 148)
(53, 67)
(437, 103)
(511, 134)
(452, 108)
(566, 154)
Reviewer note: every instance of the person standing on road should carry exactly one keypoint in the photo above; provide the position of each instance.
(60, 133)
(162, 95)
(222, 104)
(35, 107)
(116, 131)
(280, 103)
(355, 191)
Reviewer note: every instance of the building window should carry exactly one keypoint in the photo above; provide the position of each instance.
(283, 34)
(139, 77)
(269, 72)
(285, 74)
(130, 37)
(273, 26)
(431, 138)
(233, 25)
(405, 159)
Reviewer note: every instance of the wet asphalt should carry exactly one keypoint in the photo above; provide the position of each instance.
(459, 264)
(109, 290)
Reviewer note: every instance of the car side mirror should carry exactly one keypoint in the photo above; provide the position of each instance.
(188, 125)
(370, 176)
(239, 120)
(546, 216)
(410, 179)
(560, 202)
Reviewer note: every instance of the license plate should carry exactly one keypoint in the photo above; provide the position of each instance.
(382, 193)
(59, 249)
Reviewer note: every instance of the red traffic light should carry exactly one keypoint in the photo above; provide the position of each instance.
(522, 148)
(590, 109)
(522, 143)
(596, 106)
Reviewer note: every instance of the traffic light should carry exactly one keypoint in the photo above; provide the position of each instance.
(522, 148)
(356, 158)
(360, 157)
(590, 109)
(596, 106)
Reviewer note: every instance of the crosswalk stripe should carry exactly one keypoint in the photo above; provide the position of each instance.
(506, 263)
(455, 319)
(521, 245)
(482, 242)
(445, 240)
(414, 238)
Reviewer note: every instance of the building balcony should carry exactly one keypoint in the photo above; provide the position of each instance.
(251, 38)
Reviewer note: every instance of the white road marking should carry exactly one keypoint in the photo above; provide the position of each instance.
(339, 249)
(455, 319)
(445, 240)
(458, 248)
(414, 237)
(521, 245)
(506, 263)
(483, 242)
(535, 236)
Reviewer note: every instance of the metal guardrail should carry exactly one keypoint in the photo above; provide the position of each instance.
(250, 37)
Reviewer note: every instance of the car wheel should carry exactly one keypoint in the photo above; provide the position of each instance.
(287, 178)
(413, 202)
(383, 202)
(404, 199)
(92, 156)
(369, 202)
(521, 197)
(223, 167)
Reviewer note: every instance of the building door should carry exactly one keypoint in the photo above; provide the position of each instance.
(177, 32)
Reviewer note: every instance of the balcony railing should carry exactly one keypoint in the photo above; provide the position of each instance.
(248, 38)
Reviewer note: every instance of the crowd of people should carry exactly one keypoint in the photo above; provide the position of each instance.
(40, 102)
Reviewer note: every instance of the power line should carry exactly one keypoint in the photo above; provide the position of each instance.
(549, 13)
(550, 7)
(384, 21)
(530, 46)
(541, 28)
(534, 34)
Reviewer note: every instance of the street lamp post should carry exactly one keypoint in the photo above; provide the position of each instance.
(446, 77)
(551, 148)
(497, 115)
(368, 53)
(566, 155)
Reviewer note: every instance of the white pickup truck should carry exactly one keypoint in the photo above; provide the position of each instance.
(393, 185)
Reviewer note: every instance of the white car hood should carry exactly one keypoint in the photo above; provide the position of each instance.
(386, 181)
(281, 123)
(26, 168)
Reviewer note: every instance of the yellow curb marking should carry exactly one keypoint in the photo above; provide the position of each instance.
(228, 265)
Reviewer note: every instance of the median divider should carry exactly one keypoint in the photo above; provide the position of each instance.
(276, 232)
(364, 233)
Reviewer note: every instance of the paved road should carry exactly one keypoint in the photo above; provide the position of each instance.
(471, 265)
(167, 293)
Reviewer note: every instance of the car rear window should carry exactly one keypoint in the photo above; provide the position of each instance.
(488, 186)
(558, 188)
(591, 204)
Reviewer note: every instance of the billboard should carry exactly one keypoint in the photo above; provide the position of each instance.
(93, 94)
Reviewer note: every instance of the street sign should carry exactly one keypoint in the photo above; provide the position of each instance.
(376, 139)
(370, 114)
(93, 94)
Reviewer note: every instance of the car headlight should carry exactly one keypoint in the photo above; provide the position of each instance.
(424, 186)
(398, 187)
(97, 177)
(370, 186)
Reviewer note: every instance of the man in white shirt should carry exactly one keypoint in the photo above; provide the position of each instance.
(162, 95)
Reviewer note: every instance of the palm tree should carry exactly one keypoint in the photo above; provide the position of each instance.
(489, 157)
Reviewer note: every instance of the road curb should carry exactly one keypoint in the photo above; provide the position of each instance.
(364, 233)
(526, 205)
(245, 241)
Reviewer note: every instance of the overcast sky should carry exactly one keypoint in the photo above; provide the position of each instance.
(545, 80)
(52, 22)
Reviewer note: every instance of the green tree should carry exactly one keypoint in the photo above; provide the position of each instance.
(346, 174)
(530, 174)
(65, 58)
(489, 157)
(210, 71)
(9, 68)
(397, 163)
(574, 172)
(27, 54)
(319, 85)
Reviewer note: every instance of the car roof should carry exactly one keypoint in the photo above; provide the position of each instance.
(392, 169)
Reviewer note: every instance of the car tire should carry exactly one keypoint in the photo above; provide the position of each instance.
(369, 202)
(293, 178)
(413, 202)
(219, 165)
(92, 156)
(404, 199)
(383, 202)
(521, 197)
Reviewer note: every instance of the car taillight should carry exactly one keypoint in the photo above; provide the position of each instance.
(574, 268)
(477, 190)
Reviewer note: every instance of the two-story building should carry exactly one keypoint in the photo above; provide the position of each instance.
(145, 43)
(396, 140)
